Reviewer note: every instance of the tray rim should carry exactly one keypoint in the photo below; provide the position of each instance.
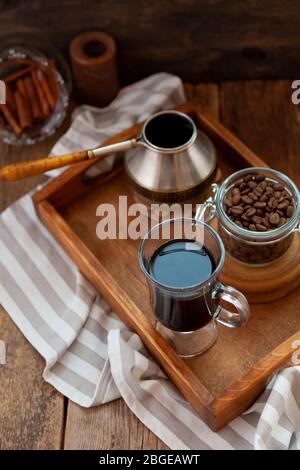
(215, 411)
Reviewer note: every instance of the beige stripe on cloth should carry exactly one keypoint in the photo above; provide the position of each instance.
(90, 355)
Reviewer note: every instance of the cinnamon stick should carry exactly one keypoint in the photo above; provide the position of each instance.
(40, 92)
(45, 86)
(16, 61)
(10, 101)
(19, 74)
(23, 110)
(21, 87)
(53, 79)
(34, 101)
(10, 119)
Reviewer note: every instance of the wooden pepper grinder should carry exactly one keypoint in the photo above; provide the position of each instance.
(94, 65)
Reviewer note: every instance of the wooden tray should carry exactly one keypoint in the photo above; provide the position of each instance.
(224, 381)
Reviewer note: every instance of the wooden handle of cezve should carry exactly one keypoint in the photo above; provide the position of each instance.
(21, 170)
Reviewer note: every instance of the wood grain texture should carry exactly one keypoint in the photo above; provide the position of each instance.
(31, 411)
(263, 116)
(109, 427)
(242, 393)
(209, 40)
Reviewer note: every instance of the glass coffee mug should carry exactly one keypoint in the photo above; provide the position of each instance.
(182, 259)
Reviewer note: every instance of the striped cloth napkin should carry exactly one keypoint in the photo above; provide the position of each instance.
(91, 357)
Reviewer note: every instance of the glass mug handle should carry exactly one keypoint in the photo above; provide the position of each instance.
(238, 300)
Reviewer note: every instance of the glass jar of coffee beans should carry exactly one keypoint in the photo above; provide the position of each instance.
(258, 212)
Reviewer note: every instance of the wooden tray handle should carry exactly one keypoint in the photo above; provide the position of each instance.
(21, 170)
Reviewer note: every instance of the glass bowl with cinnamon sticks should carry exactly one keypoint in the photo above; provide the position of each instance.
(37, 94)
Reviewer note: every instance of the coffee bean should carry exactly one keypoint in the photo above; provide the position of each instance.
(238, 183)
(260, 227)
(258, 253)
(245, 191)
(260, 205)
(289, 211)
(250, 212)
(238, 222)
(269, 190)
(260, 177)
(282, 221)
(247, 199)
(258, 191)
(273, 203)
(237, 210)
(263, 185)
(257, 220)
(236, 199)
(285, 195)
(274, 218)
(228, 201)
(253, 196)
(248, 178)
(283, 205)
(266, 222)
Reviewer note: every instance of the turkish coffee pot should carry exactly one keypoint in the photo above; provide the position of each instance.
(171, 160)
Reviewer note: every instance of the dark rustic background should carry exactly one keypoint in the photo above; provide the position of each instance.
(208, 40)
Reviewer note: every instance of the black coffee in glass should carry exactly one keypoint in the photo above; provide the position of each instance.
(182, 264)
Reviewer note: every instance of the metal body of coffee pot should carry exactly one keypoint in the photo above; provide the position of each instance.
(172, 161)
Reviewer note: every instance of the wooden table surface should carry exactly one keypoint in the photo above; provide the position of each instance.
(33, 415)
